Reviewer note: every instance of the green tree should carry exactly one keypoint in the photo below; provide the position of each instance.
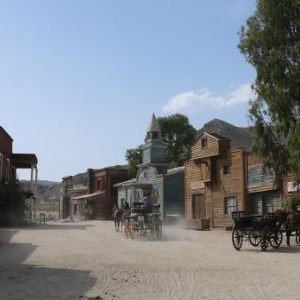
(12, 204)
(134, 157)
(270, 42)
(178, 135)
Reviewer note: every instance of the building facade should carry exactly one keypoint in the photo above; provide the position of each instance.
(91, 195)
(165, 186)
(9, 164)
(223, 175)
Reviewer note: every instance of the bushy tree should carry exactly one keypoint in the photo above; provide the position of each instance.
(178, 135)
(134, 157)
(270, 42)
(12, 204)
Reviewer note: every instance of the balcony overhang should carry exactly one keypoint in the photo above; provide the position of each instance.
(24, 160)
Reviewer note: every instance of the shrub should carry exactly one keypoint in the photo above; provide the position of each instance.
(12, 204)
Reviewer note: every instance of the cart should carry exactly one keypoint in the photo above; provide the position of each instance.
(143, 222)
(263, 230)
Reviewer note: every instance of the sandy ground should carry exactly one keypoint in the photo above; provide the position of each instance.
(90, 259)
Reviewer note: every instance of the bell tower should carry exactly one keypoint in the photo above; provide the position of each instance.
(154, 149)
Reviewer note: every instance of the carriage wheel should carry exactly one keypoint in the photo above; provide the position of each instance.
(265, 238)
(276, 238)
(254, 237)
(158, 229)
(237, 238)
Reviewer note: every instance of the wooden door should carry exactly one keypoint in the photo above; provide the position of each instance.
(199, 206)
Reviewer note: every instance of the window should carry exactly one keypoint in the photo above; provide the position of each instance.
(230, 205)
(7, 170)
(75, 209)
(101, 184)
(226, 170)
(1, 165)
(267, 204)
(204, 143)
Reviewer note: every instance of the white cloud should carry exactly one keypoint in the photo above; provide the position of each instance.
(197, 101)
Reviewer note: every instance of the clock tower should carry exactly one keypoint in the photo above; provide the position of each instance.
(154, 149)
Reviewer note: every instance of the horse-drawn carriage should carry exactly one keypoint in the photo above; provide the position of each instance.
(139, 220)
(264, 230)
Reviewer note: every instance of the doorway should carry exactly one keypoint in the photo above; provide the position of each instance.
(198, 206)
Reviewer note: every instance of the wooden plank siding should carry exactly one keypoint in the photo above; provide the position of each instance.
(213, 146)
(232, 184)
(221, 186)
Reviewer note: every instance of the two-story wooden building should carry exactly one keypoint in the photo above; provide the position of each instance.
(223, 175)
(9, 164)
(91, 195)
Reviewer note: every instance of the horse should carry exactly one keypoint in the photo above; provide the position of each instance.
(293, 224)
(118, 218)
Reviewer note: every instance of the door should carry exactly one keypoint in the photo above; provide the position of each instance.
(199, 206)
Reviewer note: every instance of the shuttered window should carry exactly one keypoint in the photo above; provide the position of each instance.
(230, 205)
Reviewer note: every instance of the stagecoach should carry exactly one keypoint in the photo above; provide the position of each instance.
(141, 221)
(263, 230)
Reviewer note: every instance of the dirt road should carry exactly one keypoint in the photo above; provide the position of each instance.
(65, 261)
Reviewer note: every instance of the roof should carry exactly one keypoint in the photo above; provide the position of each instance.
(153, 125)
(238, 136)
(24, 160)
(6, 133)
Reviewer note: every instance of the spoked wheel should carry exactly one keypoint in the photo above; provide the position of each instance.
(276, 238)
(265, 238)
(237, 238)
(158, 229)
(254, 237)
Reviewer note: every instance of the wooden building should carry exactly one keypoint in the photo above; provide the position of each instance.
(9, 164)
(166, 186)
(91, 195)
(265, 191)
(216, 175)
(223, 175)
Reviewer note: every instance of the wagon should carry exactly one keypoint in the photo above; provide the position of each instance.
(140, 221)
(263, 230)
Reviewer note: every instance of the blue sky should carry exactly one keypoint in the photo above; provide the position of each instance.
(79, 80)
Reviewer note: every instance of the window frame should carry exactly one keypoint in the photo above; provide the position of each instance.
(229, 208)
(204, 142)
(228, 168)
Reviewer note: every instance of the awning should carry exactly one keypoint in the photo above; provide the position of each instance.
(87, 196)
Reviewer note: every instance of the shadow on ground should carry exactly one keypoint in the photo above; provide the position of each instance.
(29, 282)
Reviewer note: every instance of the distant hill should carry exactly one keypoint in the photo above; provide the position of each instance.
(48, 191)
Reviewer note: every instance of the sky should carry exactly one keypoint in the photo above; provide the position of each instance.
(80, 79)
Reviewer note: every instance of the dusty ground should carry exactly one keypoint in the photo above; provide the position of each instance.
(81, 260)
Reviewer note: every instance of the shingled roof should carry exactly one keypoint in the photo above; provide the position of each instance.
(238, 136)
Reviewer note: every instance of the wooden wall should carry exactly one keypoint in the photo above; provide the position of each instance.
(233, 184)
(212, 148)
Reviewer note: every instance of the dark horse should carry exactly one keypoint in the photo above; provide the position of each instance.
(291, 223)
(118, 218)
